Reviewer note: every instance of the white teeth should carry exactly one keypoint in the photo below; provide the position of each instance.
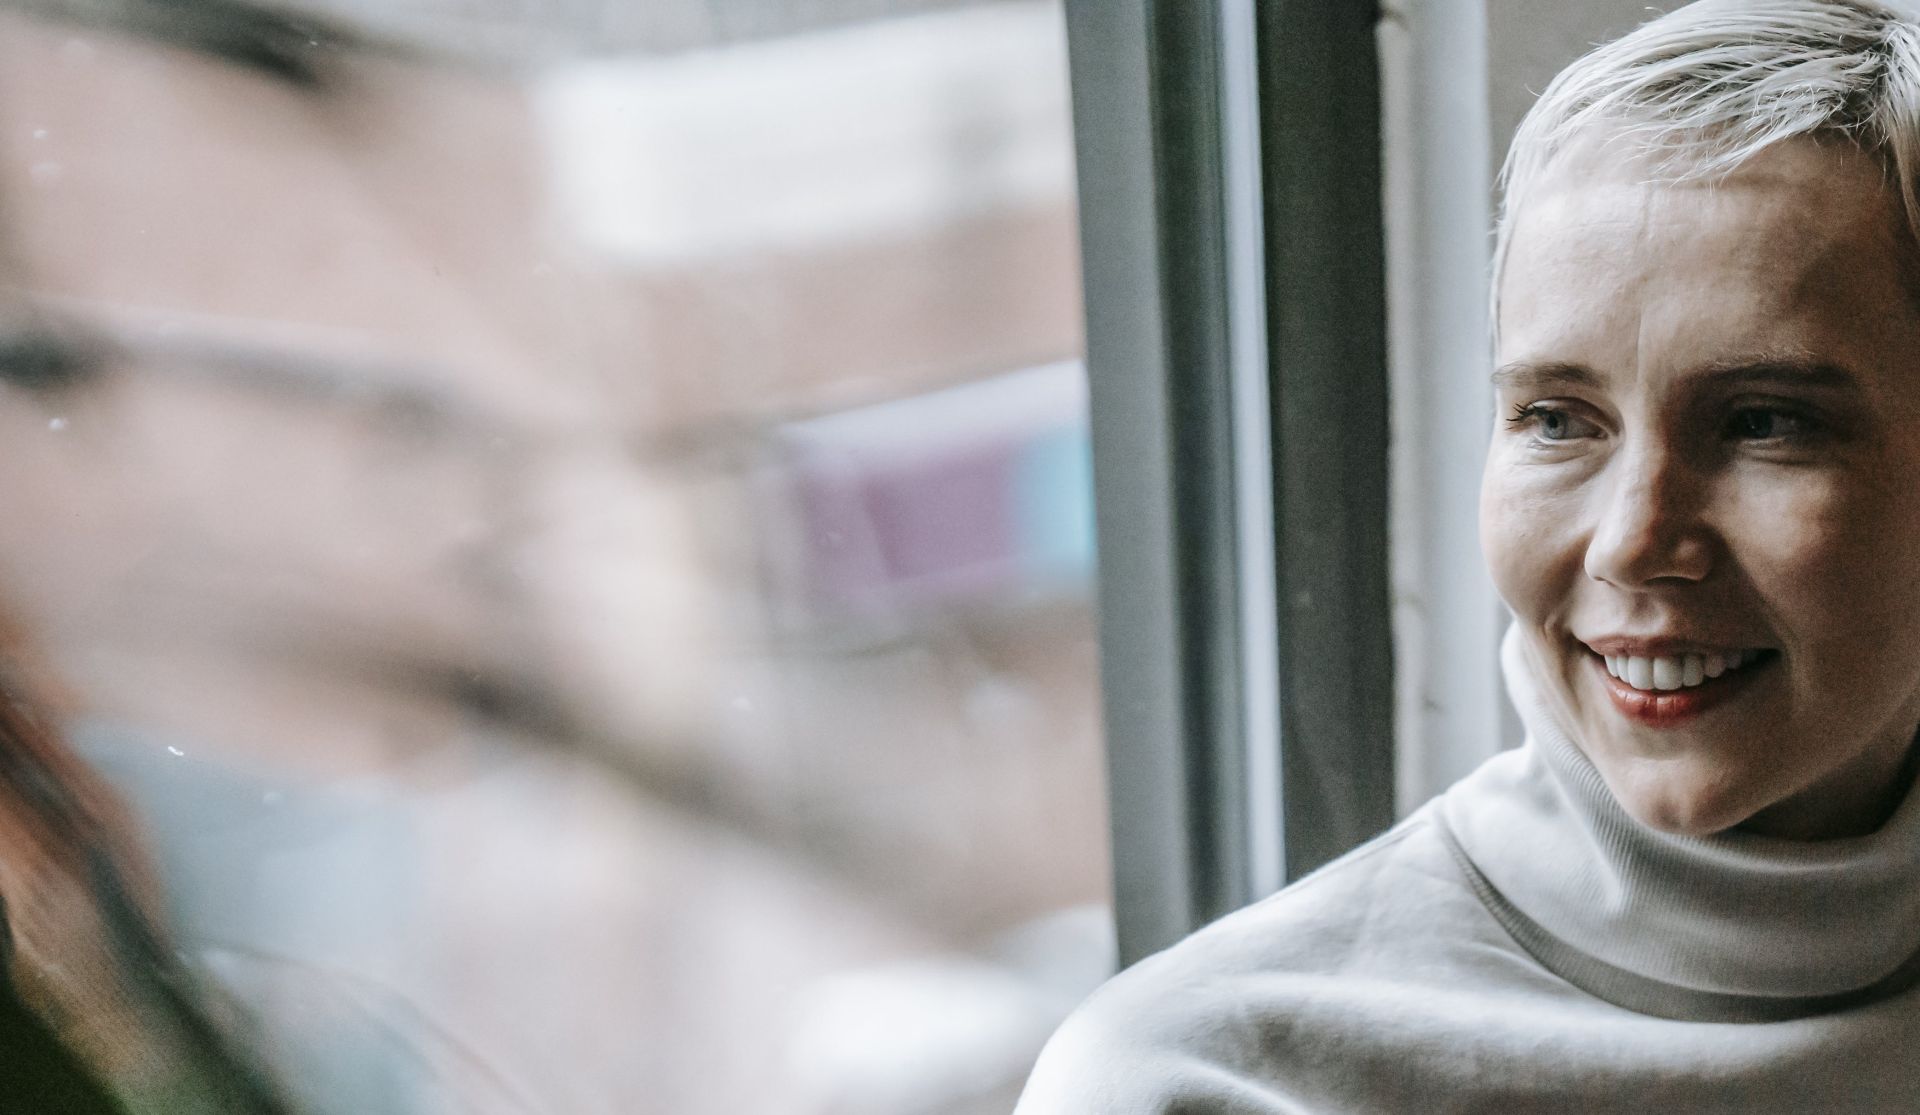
(1683, 671)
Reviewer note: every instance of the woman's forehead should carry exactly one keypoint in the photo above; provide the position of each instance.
(1803, 249)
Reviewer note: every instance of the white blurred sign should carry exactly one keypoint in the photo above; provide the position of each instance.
(793, 144)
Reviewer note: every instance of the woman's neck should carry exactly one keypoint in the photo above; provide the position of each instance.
(1855, 800)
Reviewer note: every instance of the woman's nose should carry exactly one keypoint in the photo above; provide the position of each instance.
(1649, 526)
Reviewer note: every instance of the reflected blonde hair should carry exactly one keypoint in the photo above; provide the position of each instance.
(1696, 93)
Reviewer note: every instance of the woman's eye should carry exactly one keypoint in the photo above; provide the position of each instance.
(1767, 424)
(1552, 423)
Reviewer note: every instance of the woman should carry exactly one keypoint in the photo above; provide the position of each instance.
(96, 1013)
(1696, 888)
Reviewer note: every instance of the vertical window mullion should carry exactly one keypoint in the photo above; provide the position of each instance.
(1164, 99)
(1320, 107)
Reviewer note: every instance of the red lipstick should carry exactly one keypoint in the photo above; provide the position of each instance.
(1672, 707)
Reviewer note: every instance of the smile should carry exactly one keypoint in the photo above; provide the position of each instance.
(1682, 671)
(1664, 690)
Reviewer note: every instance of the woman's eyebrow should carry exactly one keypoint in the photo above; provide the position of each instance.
(1791, 371)
(1773, 370)
(1526, 375)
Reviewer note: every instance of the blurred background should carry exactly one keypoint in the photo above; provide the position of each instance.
(570, 523)
(572, 530)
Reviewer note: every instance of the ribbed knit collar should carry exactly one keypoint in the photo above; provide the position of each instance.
(1734, 926)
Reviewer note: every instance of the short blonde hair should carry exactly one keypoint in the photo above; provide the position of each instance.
(1699, 91)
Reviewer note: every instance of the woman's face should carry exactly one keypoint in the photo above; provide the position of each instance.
(1705, 478)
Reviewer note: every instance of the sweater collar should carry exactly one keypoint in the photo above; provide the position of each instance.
(1721, 917)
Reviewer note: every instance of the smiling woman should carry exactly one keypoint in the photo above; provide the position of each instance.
(1697, 886)
(1666, 486)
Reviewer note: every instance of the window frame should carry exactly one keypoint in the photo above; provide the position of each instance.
(1234, 249)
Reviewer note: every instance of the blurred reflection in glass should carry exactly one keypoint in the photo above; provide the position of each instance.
(93, 1004)
(572, 539)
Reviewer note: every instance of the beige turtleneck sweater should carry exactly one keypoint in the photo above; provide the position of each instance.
(1522, 945)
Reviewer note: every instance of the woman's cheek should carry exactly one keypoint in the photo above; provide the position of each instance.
(1817, 547)
(1529, 534)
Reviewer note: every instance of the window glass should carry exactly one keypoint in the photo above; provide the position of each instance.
(572, 541)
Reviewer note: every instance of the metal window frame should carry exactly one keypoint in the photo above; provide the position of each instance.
(1232, 240)
(1438, 144)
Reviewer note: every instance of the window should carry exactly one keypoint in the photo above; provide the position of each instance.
(574, 536)
(574, 540)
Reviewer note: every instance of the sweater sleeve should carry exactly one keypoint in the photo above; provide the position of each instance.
(1242, 1018)
(1174, 1035)
(1108, 1060)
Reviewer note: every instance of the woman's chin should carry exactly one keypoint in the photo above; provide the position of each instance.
(1684, 803)
(1689, 822)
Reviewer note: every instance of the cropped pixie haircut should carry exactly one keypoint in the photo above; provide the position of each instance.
(1697, 92)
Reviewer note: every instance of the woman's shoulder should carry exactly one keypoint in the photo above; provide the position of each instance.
(1209, 1018)
(1376, 903)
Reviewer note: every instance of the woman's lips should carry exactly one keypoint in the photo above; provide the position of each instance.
(1668, 707)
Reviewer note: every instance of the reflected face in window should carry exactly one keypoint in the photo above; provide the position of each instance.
(1702, 498)
(274, 356)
